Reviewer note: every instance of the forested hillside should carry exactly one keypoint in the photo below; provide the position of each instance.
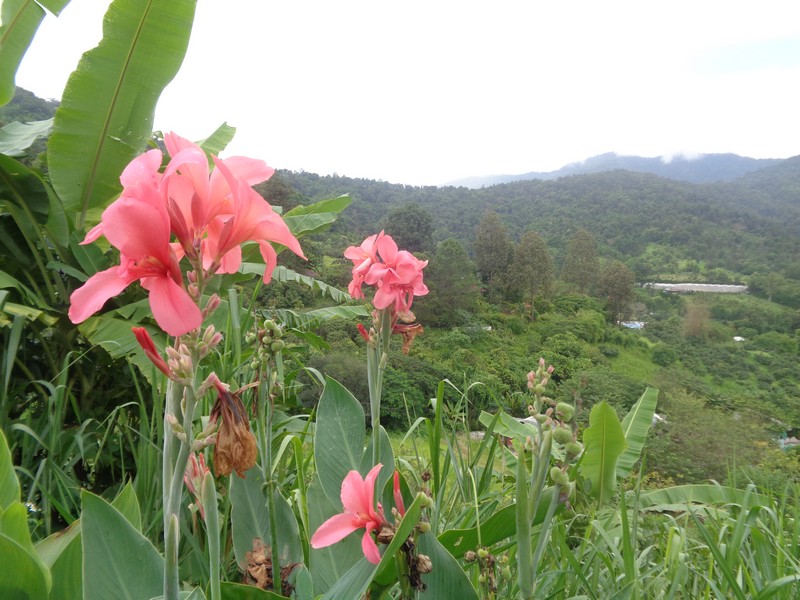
(651, 223)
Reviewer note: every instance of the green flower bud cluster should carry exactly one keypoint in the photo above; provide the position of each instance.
(268, 343)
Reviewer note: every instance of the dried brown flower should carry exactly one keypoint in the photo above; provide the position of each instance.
(235, 448)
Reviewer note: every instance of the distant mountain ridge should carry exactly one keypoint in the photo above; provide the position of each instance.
(705, 168)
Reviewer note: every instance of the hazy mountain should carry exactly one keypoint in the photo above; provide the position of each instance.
(706, 168)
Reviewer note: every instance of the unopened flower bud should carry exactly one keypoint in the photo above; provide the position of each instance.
(424, 527)
(482, 553)
(212, 304)
(174, 424)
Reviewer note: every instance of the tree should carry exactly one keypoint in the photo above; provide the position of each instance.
(411, 226)
(450, 277)
(492, 250)
(616, 286)
(582, 263)
(531, 271)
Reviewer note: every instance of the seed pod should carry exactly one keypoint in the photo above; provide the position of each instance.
(558, 476)
(566, 411)
(573, 448)
(562, 435)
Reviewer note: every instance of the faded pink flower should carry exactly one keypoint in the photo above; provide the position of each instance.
(358, 500)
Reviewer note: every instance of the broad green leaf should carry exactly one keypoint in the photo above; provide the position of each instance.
(682, 497)
(9, 485)
(106, 113)
(635, 427)
(603, 442)
(54, 6)
(501, 525)
(14, 525)
(328, 565)
(118, 561)
(339, 442)
(217, 141)
(507, 425)
(305, 220)
(195, 594)
(283, 274)
(23, 194)
(16, 137)
(21, 577)
(237, 591)
(250, 519)
(20, 21)
(293, 318)
(447, 579)
(128, 506)
(386, 459)
(62, 554)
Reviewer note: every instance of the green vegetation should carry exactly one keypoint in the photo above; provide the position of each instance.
(651, 467)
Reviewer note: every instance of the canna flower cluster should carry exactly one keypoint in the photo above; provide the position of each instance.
(396, 274)
(209, 213)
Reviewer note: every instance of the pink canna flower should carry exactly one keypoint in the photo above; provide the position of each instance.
(396, 274)
(138, 225)
(363, 257)
(251, 218)
(358, 500)
(211, 212)
(196, 195)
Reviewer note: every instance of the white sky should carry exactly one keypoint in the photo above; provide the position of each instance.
(425, 92)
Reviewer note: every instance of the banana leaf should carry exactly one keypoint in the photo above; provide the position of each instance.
(635, 427)
(604, 441)
(16, 137)
(106, 114)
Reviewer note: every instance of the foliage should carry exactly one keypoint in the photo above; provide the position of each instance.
(493, 252)
(411, 226)
(581, 265)
(453, 287)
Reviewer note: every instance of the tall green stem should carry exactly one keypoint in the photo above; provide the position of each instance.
(377, 357)
(264, 428)
(175, 457)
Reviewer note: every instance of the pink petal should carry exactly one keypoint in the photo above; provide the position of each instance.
(355, 497)
(369, 547)
(333, 530)
(384, 297)
(173, 309)
(138, 228)
(387, 248)
(92, 295)
(270, 259)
